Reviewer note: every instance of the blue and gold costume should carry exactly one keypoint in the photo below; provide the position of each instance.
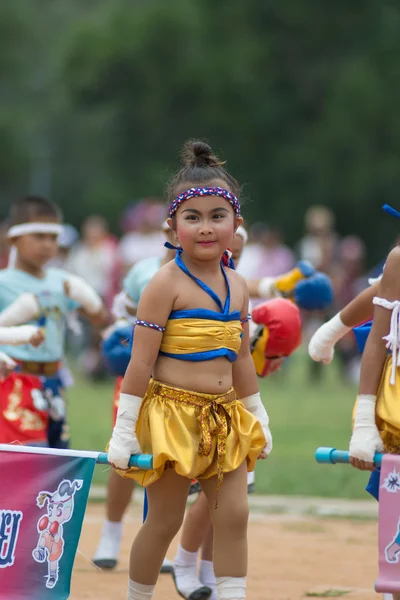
(201, 334)
(387, 413)
(198, 435)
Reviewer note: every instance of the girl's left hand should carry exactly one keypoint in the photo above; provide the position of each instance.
(262, 456)
(274, 364)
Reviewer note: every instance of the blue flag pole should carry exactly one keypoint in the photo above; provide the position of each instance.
(331, 456)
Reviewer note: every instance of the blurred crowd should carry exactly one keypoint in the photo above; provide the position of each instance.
(103, 259)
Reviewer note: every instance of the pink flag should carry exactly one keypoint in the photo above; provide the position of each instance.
(389, 525)
(42, 504)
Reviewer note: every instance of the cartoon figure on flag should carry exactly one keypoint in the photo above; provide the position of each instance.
(393, 549)
(60, 508)
(391, 484)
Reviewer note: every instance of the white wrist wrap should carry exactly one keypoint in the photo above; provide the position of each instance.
(128, 407)
(124, 442)
(17, 335)
(83, 293)
(5, 359)
(365, 440)
(25, 308)
(322, 343)
(120, 306)
(255, 406)
(266, 288)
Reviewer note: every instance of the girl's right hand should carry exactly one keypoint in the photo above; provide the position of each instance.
(120, 449)
(365, 440)
(363, 445)
(124, 442)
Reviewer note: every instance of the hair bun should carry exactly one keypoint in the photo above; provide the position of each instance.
(199, 154)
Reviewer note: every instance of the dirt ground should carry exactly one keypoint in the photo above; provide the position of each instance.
(290, 557)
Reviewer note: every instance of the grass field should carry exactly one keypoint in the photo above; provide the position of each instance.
(302, 416)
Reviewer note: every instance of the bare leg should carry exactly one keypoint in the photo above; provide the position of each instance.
(195, 526)
(119, 495)
(206, 570)
(230, 532)
(167, 501)
(207, 546)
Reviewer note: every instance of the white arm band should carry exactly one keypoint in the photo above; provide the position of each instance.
(393, 338)
(17, 335)
(373, 280)
(25, 308)
(83, 293)
(365, 440)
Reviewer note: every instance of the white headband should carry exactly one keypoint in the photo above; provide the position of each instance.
(243, 233)
(26, 228)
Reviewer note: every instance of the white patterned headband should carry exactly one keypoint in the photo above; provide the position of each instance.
(196, 192)
(35, 227)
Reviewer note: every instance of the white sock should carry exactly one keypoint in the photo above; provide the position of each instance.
(184, 558)
(139, 591)
(110, 541)
(185, 572)
(207, 577)
(231, 588)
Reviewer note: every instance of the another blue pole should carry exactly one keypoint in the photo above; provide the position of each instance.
(326, 455)
(145, 505)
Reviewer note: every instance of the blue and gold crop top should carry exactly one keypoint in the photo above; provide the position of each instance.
(201, 334)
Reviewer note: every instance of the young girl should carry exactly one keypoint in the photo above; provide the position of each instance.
(188, 415)
(32, 293)
(197, 530)
(376, 421)
(376, 418)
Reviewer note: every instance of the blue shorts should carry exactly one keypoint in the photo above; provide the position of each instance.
(58, 430)
(373, 483)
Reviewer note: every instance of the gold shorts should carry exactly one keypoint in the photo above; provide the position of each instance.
(198, 435)
(388, 409)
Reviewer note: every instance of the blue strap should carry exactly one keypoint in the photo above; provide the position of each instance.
(178, 259)
(224, 309)
(391, 211)
(171, 246)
